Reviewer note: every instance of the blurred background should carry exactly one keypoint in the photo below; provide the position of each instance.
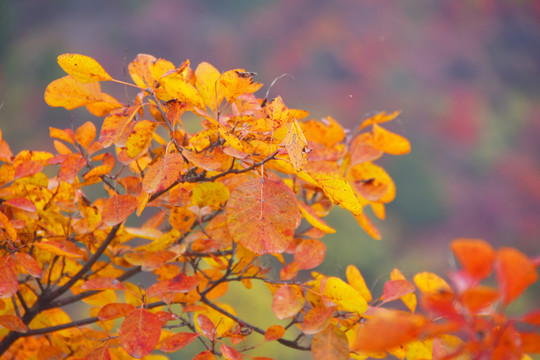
(465, 74)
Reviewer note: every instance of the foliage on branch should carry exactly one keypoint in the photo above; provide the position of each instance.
(198, 210)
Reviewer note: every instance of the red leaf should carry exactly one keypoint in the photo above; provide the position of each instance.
(177, 342)
(99, 353)
(330, 344)
(13, 323)
(27, 168)
(261, 215)
(475, 255)
(180, 283)
(117, 208)
(29, 264)
(103, 283)
(21, 203)
(309, 254)
(114, 310)
(8, 279)
(515, 272)
(139, 333)
(532, 318)
(395, 289)
(230, 353)
(207, 326)
(288, 300)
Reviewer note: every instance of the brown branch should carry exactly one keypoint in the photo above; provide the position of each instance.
(289, 343)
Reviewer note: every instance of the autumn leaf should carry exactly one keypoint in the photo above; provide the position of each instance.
(274, 332)
(330, 344)
(388, 329)
(61, 248)
(117, 208)
(114, 311)
(103, 283)
(515, 273)
(356, 280)
(396, 289)
(207, 326)
(475, 255)
(177, 341)
(338, 190)
(261, 215)
(29, 264)
(163, 173)
(343, 295)
(288, 301)
(83, 68)
(10, 231)
(205, 355)
(410, 299)
(14, 323)
(309, 254)
(207, 79)
(140, 138)
(296, 144)
(71, 93)
(309, 214)
(430, 283)
(139, 332)
(114, 124)
(237, 82)
(8, 279)
(317, 319)
(388, 141)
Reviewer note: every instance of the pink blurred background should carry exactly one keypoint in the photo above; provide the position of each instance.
(465, 74)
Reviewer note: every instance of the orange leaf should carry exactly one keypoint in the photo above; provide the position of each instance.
(180, 283)
(274, 332)
(205, 355)
(85, 134)
(63, 248)
(139, 332)
(27, 168)
(230, 353)
(114, 310)
(532, 318)
(530, 342)
(207, 326)
(117, 208)
(139, 70)
(309, 254)
(330, 344)
(479, 297)
(237, 82)
(103, 283)
(99, 353)
(317, 319)
(70, 93)
(388, 329)
(177, 342)
(181, 218)
(388, 141)
(21, 203)
(475, 255)
(114, 124)
(163, 173)
(8, 279)
(395, 289)
(140, 138)
(515, 272)
(66, 135)
(356, 280)
(379, 118)
(8, 227)
(83, 68)
(29, 264)
(261, 215)
(288, 301)
(13, 323)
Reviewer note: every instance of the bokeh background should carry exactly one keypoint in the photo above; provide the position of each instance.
(465, 74)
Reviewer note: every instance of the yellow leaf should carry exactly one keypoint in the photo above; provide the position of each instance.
(338, 190)
(83, 68)
(430, 283)
(346, 297)
(296, 144)
(177, 87)
(85, 134)
(140, 138)
(114, 124)
(8, 227)
(70, 93)
(60, 248)
(356, 280)
(313, 219)
(207, 79)
(379, 118)
(213, 194)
